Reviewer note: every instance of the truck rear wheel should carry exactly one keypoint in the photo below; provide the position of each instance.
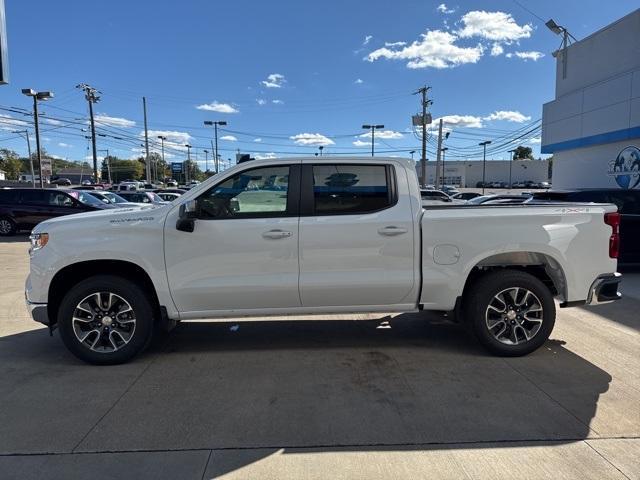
(512, 313)
(105, 320)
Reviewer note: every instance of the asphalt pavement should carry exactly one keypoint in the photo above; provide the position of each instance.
(402, 396)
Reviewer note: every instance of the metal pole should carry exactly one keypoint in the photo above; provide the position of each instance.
(146, 141)
(216, 160)
(513, 154)
(33, 175)
(423, 160)
(216, 135)
(444, 150)
(373, 137)
(93, 140)
(206, 160)
(484, 164)
(439, 154)
(38, 154)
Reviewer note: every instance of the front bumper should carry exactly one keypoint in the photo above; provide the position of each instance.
(604, 289)
(38, 312)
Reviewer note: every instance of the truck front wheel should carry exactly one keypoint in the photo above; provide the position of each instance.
(512, 313)
(105, 320)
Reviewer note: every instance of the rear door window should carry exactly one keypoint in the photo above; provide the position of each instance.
(351, 189)
(8, 196)
(34, 197)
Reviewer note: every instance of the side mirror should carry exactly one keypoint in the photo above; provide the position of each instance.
(186, 216)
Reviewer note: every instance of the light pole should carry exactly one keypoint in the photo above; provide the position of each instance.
(26, 136)
(215, 129)
(106, 159)
(162, 139)
(29, 92)
(484, 160)
(188, 161)
(206, 160)
(373, 128)
(513, 154)
(412, 152)
(321, 147)
(443, 150)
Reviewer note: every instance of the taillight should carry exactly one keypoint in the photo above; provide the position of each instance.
(613, 220)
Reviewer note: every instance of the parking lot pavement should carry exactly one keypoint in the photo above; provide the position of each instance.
(404, 396)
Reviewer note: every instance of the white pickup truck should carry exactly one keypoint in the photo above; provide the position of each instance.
(317, 235)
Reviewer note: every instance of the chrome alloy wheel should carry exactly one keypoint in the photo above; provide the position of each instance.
(514, 316)
(104, 322)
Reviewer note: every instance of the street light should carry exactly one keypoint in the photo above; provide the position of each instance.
(443, 150)
(560, 30)
(373, 128)
(321, 147)
(215, 128)
(162, 139)
(484, 160)
(29, 92)
(411, 153)
(188, 176)
(26, 136)
(511, 159)
(206, 160)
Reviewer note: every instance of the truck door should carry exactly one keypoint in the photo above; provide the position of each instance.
(356, 235)
(243, 252)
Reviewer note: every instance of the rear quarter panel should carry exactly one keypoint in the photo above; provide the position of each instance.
(575, 236)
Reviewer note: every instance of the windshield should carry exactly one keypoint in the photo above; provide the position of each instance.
(113, 198)
(86, 198)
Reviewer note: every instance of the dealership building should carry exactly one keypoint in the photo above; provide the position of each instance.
(469, 173)
(592, 128)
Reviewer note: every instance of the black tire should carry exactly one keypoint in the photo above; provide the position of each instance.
(7, 227)
(139, 336)
(482, 299)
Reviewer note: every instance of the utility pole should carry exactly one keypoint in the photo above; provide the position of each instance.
(425, 102)
(511, 158)
(216, 160)
(188, 162)
(439, 154)
(484, 161)
(215, 128)
(206, 160)
(26, 134)
(443, 150)
(162, 139)
(373, 129)
(90, 94)
(146, 141)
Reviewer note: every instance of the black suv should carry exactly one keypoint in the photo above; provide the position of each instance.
(24, 208)
(628, 203)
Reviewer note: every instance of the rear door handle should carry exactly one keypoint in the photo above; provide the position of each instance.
(391, 231)
(276, 234)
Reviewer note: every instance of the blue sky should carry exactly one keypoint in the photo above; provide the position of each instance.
(287, 76)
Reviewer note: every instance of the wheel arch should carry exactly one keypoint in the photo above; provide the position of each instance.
(73, 274)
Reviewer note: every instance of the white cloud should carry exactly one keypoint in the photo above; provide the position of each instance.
(277, 102)
(87, 157)
(442, 8)
(257, 140)
(361, 143)
(65, 145)
(316, 139)
(498, 26)
(468, 121)
(496, 49)
(359, 81)
(366, 40)
(264, 156)
(7, 122)
(103, 119)
(435, 49)
(508, 116)
(535, 56)
(229, 138)
(535, 140)
(173, 137)
(51, 121)
(384, 134)
(217, 107)
(274, 80)
(261, 101)
(395, 44)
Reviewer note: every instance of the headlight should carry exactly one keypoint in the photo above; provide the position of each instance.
(38, 240)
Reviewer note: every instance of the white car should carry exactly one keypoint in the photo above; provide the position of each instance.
(301, 236)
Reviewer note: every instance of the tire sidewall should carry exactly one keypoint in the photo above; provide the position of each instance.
(490, 285)
(125, 289)
(13, 230)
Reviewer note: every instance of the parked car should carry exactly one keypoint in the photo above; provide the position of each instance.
(179, 191)
(499, 199)
(171, 183)
(628, 203)
(334, 236)
(113, 199)
(450, 190)
(61, 182)
(128, 186)
(519, 185)
(466, 195)
(24, 208)
(434, 197)
(87, 182)
(142, 197)
(88, 187)
(168, 196)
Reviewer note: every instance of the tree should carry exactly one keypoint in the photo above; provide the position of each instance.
(10, 163)
(523, 153)
(122, 169)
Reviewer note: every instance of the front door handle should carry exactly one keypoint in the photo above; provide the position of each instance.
(276, 234)
(391, 231)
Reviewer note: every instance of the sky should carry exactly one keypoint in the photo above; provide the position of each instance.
(288, 76)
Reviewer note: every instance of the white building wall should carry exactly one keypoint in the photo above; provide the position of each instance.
(469, 173)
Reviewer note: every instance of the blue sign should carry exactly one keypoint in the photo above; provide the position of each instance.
(176, 167)
(625, 169)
